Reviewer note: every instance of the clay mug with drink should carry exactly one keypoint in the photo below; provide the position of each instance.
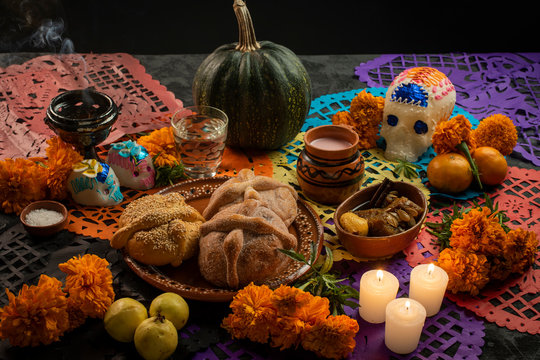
(330, 166)
(200, 133)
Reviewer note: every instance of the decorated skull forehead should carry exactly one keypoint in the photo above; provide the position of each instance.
(415, 102)
(94, 183)
(132, 165)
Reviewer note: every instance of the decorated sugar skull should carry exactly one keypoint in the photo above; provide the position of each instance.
(132, 165)
(94, 183)
(415, 102)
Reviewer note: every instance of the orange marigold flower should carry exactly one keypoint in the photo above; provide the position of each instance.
(452, 132)
(366, 106)
(522, 246)
(365, 116)
(332, 338)
(287, 300)
(161, 142)
(367, 131)
(317, 309)
(286, 332)
(367, 134)
(367, 137)
(467, 271)
(89, 284)
(75, 315)
(37, 315)
(60, 159)
(253, 315)
(497, 131)
(22, 181)
(499, 268)
(479, 231)
(342, 118)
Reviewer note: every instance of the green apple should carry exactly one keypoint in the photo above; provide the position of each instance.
(123, 317)
(173, 307)
(156, 338)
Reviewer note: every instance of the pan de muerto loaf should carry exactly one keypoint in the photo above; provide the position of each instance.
(159, 229)
(239, 245)
(277, 196)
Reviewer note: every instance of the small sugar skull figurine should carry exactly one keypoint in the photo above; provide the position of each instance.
(415, 102)
(94, 183)
(132, 164)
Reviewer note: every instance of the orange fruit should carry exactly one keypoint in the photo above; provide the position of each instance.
(491, 164)
(449, 173)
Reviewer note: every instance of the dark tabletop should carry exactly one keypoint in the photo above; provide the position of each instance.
(329, 74)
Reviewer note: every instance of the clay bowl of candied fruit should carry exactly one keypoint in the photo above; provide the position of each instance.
(380, 220)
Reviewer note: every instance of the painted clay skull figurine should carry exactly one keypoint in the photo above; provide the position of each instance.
(94, 183)
(415, 102)
(132, 165)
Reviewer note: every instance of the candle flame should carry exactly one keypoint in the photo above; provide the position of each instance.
(407, 304)
(379, 275)
(430, 269)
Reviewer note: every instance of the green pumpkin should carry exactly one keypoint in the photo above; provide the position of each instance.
(262, 87)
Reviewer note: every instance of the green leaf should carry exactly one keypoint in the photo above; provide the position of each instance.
(168, 175)
(464, 148)
(406, 169)
(328, 261)
(329, 279)
(320, 281)
(351, 292)
(352, 304)
(313, 253)
(500, 215)
(293, 254)
(305, 285)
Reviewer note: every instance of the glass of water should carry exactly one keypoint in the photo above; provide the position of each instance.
(200, 133)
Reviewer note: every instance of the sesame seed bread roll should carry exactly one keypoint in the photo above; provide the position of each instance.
(159, 230)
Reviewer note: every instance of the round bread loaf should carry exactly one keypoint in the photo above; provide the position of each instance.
(277, 196)
(239, 245)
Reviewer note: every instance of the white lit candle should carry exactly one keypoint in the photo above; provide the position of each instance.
(428, 285)
(377, 288)
(404, 323)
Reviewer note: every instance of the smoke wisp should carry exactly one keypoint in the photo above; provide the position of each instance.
(49, 37)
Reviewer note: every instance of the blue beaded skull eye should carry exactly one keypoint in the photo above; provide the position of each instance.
(392, 120)
(420, 127)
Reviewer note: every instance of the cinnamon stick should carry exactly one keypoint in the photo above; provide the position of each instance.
(380, 194)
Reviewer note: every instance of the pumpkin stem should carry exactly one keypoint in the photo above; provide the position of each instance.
(247, 40)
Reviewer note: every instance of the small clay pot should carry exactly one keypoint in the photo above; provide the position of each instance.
(47, 230)
(376, 247)
(330, 166)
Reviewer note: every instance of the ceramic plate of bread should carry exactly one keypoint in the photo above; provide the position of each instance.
(207, 238)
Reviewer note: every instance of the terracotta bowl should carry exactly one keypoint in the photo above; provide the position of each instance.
(375, 247)
(47, 230)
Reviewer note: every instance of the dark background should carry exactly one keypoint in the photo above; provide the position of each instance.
(306, 27)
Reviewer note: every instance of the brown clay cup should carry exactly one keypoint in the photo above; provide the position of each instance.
(376, 247)
(331, 172)
(48, 230)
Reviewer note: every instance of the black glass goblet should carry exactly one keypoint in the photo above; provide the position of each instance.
(83, 118)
